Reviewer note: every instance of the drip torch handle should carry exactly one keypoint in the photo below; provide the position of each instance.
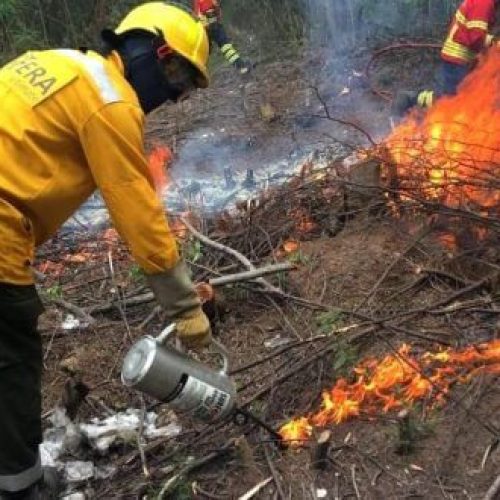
(166, 333)
(218, 347)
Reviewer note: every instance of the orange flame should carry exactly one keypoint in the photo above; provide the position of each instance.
(452, 154)
(291, 246)
(159, 160)
(394, 382)
(205, 291)
(178, 228)
(304, 223)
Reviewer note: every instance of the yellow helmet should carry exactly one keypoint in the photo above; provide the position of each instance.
(182, 32)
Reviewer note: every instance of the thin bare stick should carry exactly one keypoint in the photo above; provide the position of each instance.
(491, 494)
(191, 465)
(77, 311)
(118, 294)
(219, 281)
(419, 236)
(274, 472)
(140, 441)
(252, 274)
(251, 493)
(354, 482)
(231, 251)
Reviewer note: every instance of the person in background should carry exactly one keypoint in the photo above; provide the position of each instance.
(73, 122)
(210, 14)
(469, 34)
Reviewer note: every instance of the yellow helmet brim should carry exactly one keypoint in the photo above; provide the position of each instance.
(182, 32)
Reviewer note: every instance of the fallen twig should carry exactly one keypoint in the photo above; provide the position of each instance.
(304, 364)
(491, 494)
(274, 473)
(174, 481)
(256, 489)
(77, 311)
(342, 121)
(140, 439)
(418, 237)
(252, 274)
(354, 482)
(218, 281)
(292, 345)
(231, 251)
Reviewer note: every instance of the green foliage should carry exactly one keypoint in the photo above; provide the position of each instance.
(34, 24)
(193, 251)
(182, 492)
(136, 273)
(328, 321)
(258, 26)
(53, 292)
(411, 430)
(345, 358)
(298, 258)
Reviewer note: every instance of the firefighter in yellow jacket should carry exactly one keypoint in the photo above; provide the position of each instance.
(73, 122)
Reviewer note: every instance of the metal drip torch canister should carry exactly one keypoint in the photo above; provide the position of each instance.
(170, 375)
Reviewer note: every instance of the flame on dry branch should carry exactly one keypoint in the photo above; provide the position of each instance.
(159, 160)
(452, 154)
(87, 252)
(394, 382)
(303, 221)
(291, 246)
(178, 228)
(205, 291)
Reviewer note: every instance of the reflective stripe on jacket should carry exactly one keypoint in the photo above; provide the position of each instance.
(468, 34)
(71, 123)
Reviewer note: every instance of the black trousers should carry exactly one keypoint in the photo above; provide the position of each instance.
(217, 34)
(20, 387)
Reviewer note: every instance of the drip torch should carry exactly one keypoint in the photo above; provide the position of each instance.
(170, 375)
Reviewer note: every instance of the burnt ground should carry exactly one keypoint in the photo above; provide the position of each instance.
(372, 264)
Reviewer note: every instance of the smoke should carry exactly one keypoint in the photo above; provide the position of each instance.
(347, 24)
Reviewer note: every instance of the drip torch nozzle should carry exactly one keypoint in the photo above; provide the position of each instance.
(242, 416)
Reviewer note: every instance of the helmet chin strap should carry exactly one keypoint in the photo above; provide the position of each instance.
(140, 55)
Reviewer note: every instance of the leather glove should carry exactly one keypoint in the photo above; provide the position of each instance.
(193, 329)
(175, 292)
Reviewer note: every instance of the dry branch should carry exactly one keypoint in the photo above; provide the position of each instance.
(246, 456)
(325, 350)
(231, 251)
(491, 494)
(256, 489)
(77, 311)
(219, 281)
(252, 274)
(170, 486)
(280, 494)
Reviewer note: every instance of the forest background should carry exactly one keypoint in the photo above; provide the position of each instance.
(260, 26)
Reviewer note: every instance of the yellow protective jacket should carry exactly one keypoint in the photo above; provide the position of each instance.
(71, 123)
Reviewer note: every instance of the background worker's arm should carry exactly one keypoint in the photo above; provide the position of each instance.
(112, 140)
(476, 36)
